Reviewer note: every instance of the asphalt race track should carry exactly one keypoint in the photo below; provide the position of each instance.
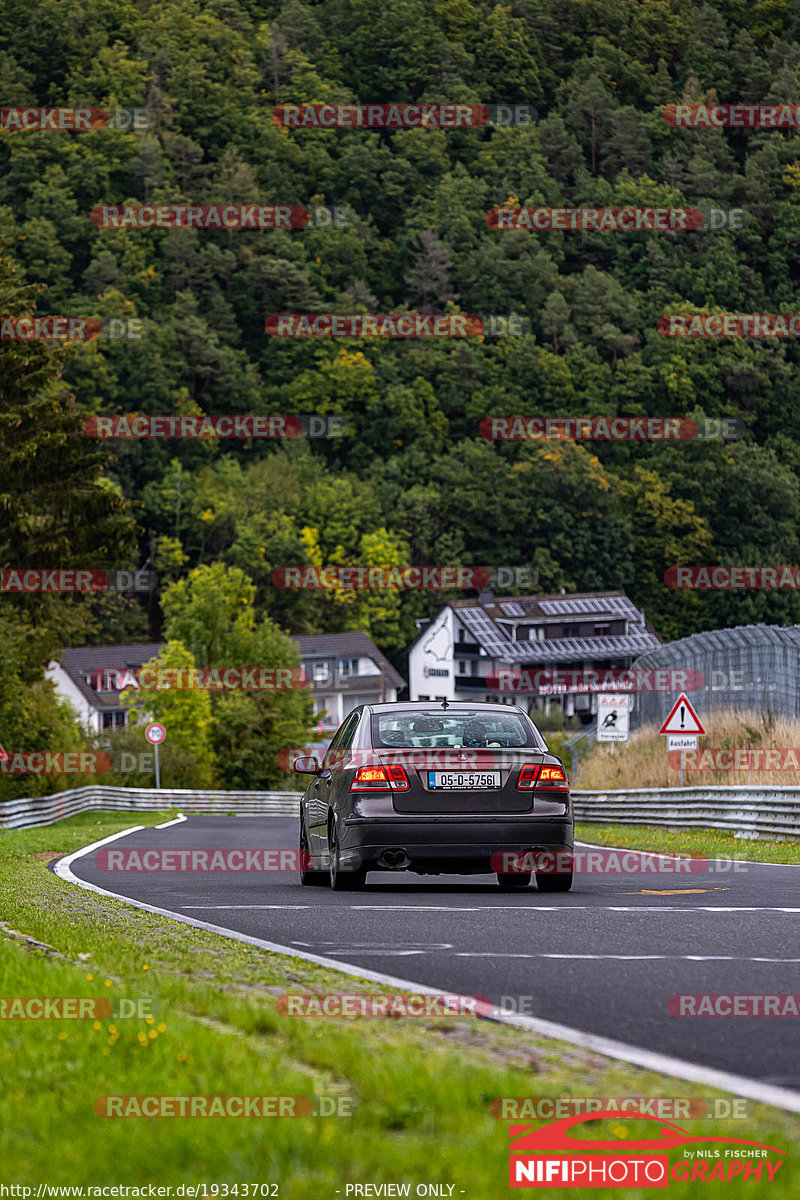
(604, 958)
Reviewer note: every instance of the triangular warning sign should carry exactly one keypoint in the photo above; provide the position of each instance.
(3, 755)
(682, 718)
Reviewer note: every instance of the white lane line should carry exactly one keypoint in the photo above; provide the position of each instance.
(622, 957)
(515, 908)
(677, 1068)
(226, 907)
(682, 854)
(166, 824)
(363, 953)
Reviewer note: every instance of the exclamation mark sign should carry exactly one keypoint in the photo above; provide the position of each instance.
(683, 716)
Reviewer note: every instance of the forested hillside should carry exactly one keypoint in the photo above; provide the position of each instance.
(414, 481)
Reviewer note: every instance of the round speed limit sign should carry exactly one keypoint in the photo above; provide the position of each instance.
(155, 733)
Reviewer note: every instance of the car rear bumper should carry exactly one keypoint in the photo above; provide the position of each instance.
(437, 844)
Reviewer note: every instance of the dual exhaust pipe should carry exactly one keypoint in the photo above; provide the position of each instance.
(394, 860)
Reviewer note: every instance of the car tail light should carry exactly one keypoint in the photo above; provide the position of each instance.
(527, 777)
(554, 777)
(398, 778)
(380, 779)
(542, 776)
(370, 779)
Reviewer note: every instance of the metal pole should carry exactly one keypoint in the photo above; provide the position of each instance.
(158, 775)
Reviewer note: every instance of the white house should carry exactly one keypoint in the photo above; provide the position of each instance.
(475, 649)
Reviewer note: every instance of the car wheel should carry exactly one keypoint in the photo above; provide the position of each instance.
(308, 876)
(342, 881)
(519, 879)
(562, 882)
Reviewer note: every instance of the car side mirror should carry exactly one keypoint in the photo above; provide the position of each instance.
(307, 765)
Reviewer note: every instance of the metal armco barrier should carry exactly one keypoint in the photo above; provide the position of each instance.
(747, 811)
(750, 812)
(46, 810)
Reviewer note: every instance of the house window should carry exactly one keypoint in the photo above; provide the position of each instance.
(424, 697)
(320, 672)
(602, 630)
(462, 667)
(113, 720)
(348, 667)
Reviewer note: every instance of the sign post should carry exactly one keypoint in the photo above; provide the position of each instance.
(682, 727)
(155, 734)
(613, 718)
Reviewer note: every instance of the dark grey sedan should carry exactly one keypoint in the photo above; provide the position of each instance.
(462, 789)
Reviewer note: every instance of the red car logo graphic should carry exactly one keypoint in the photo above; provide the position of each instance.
(555, 1136)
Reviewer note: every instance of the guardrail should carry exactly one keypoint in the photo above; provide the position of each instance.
(747, 811)
(46, 810)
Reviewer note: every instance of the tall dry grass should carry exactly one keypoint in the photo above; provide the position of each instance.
(643, 761)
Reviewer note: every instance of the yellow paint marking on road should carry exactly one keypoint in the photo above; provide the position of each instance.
(674, 891)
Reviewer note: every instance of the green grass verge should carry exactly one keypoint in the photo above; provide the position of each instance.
(713, 843)
(422, 1087)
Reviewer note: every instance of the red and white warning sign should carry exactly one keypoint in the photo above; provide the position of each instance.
(3, 755)
(682, 718)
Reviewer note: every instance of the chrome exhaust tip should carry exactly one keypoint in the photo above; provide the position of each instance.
(394, 860)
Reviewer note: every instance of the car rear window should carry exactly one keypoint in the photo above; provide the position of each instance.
(455, 730)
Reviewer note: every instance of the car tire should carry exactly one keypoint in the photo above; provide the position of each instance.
(515, 880)
(342, 881)
(545, 882)
(308, 876)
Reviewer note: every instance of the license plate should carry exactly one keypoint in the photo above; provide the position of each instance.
(463, 781)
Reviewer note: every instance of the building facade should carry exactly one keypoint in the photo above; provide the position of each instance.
(345, 670)
(535, 651)
(92, 678)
